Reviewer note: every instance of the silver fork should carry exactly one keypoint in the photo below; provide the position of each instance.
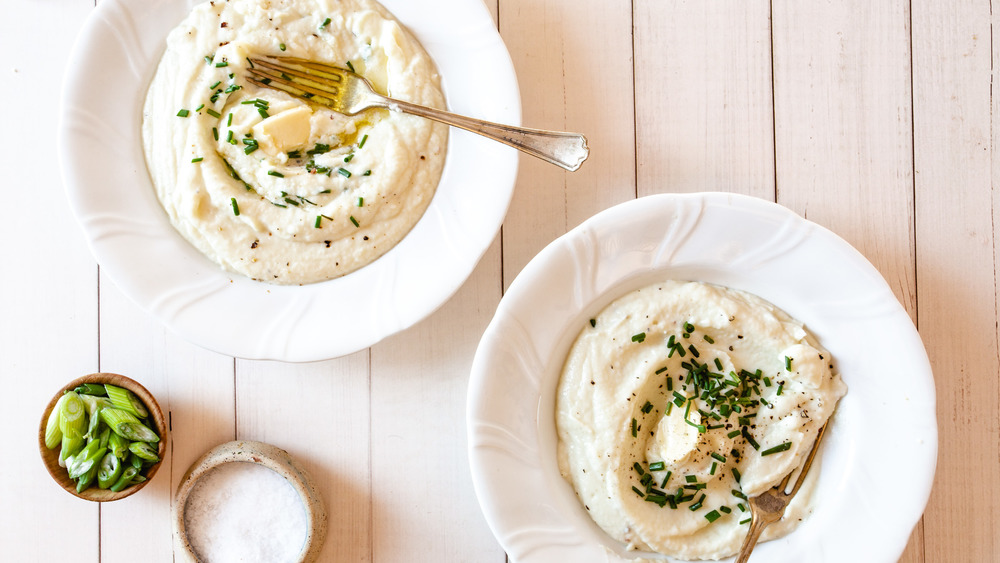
(346, 92)
(769, 506)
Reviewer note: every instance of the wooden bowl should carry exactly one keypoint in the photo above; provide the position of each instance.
(156, 420)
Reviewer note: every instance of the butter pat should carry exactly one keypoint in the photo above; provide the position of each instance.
(284, 131)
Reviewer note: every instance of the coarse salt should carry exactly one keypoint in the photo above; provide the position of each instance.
(243, 511)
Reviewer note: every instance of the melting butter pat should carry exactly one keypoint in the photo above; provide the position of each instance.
(284, 131)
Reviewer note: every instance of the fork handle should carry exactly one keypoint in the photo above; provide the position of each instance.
(757, 526)
(567, 150)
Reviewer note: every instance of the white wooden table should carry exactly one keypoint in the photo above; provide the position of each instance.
(874, 119)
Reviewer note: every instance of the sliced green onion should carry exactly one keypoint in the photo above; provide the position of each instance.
(109, 470)
(53, 435)
(144, 451)
(126, 424)
(126, 400)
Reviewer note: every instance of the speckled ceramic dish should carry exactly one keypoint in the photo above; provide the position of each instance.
(271, 457)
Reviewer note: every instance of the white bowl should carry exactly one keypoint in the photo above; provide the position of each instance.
(131, 237)
(881, 448)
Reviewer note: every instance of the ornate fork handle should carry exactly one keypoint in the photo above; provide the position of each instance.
(567, 150)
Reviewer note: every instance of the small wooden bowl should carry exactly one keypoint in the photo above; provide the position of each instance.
(51, 457)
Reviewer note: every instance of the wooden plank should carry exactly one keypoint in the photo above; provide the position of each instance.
(703, 97)
(570, 79)
(422, 492)
(319, 413)
(48, 308)
(194, 388)
(955, 132)
(843, 126)
(843, 133)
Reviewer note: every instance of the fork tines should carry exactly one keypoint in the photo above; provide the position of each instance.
(300, 78)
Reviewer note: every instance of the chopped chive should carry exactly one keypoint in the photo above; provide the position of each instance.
(708, 339)
(646, 407)
(349, 157)
(776, 449)
(355, 221)
(295, 154)
(367, 173)
(788, 364)
(183, 113)
(361, 202)
(661, 370)
(738, 494)
(212, 87)
(698, 504)
(639, 337)
(319, 219)
(250, 148)
(275, 173)
(688, 328)
(725, 509)
(281, 46)
(694, 351)
(744, 521)
(364, 139)
(215, 133)
(712, 470)
(741, 507)
(713, 516)
(638, 492)
(263, 112)
(221, 64)
(229, 136)
(718, 456)
(657, 466)
(213, 113)
(350, 66)
(638, 468)
(780, 387)
(198, 159)
(236, 207)
(718, 364)
(231, 88)
(325, 23)
(344, 172)
(635, 428)
(691, 478)
(749, 438)
(199, 107)
(208, 59)
(593, 323)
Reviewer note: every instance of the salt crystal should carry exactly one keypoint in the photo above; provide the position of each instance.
(245, 512)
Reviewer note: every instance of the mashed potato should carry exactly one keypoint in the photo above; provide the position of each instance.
(680, 400)
(267, 185)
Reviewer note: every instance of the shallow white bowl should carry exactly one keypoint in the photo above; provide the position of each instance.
(131, 237)
(879, 454)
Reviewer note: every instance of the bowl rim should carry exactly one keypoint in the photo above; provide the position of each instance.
(50, 458)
